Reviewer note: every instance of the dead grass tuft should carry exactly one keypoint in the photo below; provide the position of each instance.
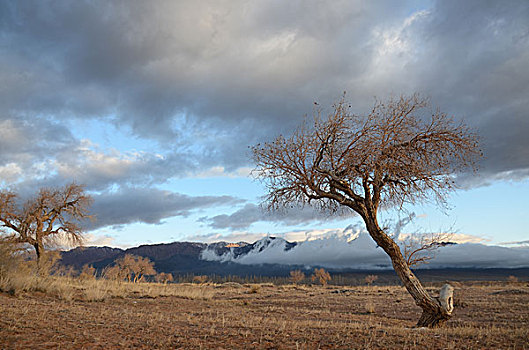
(254, 288)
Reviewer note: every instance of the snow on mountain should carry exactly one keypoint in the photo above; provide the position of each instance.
(356, 250)
(334, 251)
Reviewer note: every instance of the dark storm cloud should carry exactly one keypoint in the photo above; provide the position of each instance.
(32, 140)
(147, 205)
(207, 79)
(217, 62)
(472, 62)
(251, 213)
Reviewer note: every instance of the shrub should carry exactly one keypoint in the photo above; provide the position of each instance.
(164, 278)
(370, 307)
(254, 288)
(87, 273)
(200, 279)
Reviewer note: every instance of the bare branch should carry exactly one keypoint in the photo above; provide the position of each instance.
(420, 249)
(389, 157)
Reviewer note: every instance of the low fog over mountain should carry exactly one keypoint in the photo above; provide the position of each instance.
(361, 252)
(348, 251)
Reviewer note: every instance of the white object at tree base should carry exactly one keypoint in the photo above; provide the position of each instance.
(446, 298)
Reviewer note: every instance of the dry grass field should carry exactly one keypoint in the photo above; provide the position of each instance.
(103, 315)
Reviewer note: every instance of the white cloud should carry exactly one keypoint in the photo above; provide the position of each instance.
(220, 171)
(10, 173)
(466, 238)
(93, 240)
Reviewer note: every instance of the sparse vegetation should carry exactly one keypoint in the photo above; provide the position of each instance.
(188, 315)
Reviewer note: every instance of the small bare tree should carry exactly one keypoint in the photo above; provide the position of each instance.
(389, 157)
(132, 268)
(297, 276)
(144, 267)
(370, 279)
(53, 213)
(320, 275)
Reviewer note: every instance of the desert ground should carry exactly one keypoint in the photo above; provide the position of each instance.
(488, 315)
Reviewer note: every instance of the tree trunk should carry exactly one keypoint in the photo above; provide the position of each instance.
(435, 312)
(39, 249)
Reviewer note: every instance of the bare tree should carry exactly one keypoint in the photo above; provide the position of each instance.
(53, 213)
(321, 276)
(389, 157)
(132, 268)
(297, 276)
(144, 267)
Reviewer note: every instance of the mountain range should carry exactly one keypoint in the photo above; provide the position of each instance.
(183, 257)
(274, 256)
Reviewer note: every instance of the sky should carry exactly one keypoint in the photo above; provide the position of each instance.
(153, 105)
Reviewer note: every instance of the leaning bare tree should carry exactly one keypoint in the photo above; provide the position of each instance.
(52, 213)
(389, 157)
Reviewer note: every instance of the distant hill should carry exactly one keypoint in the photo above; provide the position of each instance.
(179, 258)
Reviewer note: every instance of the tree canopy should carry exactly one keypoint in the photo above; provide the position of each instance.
(390, 156)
